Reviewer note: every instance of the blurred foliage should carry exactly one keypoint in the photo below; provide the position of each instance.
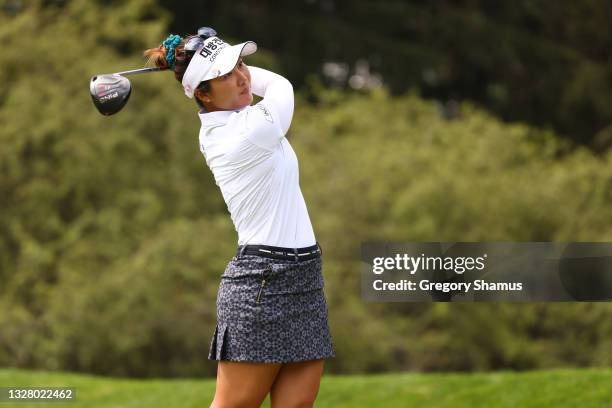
(546, 63)
(394, 169)
(113, 234)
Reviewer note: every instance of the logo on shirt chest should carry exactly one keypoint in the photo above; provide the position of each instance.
(266, 113)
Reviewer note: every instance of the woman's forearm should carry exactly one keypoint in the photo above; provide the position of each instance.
(277, 93)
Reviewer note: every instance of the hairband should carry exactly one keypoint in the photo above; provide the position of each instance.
(170, 43)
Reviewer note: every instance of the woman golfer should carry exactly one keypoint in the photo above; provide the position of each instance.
(272, 331)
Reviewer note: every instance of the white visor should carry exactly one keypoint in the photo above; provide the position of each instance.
(213, 59)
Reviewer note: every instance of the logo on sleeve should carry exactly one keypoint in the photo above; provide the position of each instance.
(266, 113)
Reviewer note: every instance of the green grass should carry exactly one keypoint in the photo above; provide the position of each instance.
(556, 388)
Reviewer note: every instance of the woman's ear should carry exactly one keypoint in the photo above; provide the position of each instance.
(202, 95)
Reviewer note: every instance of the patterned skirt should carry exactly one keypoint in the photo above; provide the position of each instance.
(271, 311)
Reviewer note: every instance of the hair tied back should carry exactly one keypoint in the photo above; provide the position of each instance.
(170, 44)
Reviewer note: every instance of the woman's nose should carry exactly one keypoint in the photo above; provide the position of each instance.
(240, 75)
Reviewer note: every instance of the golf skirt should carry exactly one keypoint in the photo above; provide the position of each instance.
(271, 311)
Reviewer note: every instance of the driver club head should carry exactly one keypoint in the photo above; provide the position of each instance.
(110, 92)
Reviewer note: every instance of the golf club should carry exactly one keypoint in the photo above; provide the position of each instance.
(110, 92)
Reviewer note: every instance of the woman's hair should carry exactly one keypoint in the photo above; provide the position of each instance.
(157, 58)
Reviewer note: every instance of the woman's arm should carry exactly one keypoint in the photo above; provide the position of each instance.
(277, 94)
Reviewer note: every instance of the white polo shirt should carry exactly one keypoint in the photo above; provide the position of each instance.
(256, 168)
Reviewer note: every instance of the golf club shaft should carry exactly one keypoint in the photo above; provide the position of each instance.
(140, 71)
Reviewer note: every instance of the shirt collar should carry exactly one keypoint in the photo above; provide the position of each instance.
(209, 118)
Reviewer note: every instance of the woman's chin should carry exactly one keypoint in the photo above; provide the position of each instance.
(246, 100)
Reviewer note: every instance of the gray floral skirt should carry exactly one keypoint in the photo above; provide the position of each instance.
(271, 311)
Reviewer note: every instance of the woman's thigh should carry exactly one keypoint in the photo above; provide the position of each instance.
(243, 384)
(297, 384)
